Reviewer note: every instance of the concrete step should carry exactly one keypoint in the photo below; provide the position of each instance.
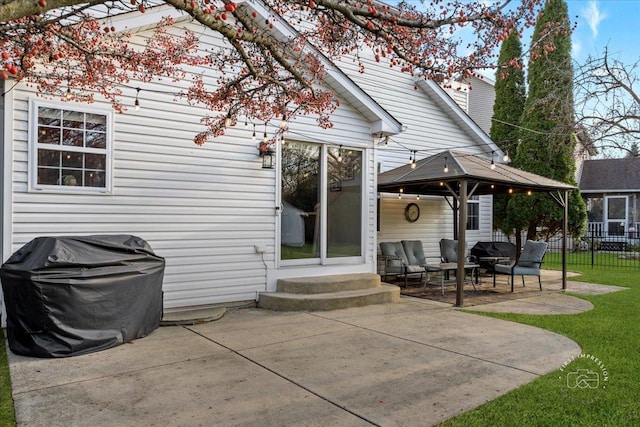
(318, 293)
(331, 283)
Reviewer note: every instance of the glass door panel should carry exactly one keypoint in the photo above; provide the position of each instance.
(300, 219)
(344, 202)
(616, 215)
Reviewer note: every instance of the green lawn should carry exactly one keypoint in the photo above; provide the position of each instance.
(611, 333)
(7, 416)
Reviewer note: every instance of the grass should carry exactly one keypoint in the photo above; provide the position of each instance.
(7, 415)
(611, 333)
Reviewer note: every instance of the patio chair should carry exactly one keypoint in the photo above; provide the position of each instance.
(528, 264)
(397, 263)
(449, 253)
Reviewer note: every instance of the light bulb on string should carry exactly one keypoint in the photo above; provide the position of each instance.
(505, 158)
(446, 167)
(254, 132)
(265, 138)
(493, 164)
(340, 154)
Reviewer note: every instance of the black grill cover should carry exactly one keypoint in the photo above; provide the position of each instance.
(491, 249)
(67, 296)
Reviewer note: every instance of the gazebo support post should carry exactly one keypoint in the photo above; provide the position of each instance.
(565, 229)
(562, 198)
(462, 238)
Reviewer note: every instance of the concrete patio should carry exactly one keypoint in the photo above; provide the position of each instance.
(416, 362)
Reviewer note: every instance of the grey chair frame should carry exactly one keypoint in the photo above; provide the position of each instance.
(526, 264)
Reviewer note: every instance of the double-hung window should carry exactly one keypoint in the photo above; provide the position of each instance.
(70, 147)
(473, 213)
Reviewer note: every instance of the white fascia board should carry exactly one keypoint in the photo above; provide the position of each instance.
(453, 110)
(614, 192)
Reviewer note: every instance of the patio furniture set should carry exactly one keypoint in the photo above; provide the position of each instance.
(406, 258)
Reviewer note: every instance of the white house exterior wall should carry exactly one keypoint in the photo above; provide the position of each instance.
(429, 130)
(202, 208)
(480, 103)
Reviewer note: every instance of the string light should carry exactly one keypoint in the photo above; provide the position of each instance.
(283, 122)
(254, 132)
(69, 95)
(340, 154)
(505, 158)
(418, 197)
(493, 164)
(246, 124)
(446, 167)
(265, 138)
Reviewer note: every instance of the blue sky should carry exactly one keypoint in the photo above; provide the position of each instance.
(602, 23)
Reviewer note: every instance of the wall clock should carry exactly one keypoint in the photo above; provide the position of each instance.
(412, 212)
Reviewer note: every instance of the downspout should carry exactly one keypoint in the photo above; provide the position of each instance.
(6, 194)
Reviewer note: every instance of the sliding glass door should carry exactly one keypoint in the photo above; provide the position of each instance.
(321, 199)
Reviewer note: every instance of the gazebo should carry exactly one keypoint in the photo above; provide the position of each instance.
(460, 175)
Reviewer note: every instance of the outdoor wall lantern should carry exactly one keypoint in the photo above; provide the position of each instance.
(268, 156)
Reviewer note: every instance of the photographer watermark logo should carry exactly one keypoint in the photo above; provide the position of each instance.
(583, 375)
(583, 378)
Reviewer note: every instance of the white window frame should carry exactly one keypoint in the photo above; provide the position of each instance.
(34, 104)
(476, 201)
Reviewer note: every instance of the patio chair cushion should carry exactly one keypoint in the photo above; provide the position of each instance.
(449, 250)
(394, 249)
(414, 251)
(517, 270)
(532, 254)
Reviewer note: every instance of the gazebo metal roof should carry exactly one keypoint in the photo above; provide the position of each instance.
(428, 176)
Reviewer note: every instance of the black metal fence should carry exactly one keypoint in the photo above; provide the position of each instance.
(597, 249)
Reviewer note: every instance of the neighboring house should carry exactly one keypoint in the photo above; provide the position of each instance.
(228, 228)
(611, 190)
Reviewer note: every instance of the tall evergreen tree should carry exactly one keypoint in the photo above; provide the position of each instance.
(547, 139)
(507, 110)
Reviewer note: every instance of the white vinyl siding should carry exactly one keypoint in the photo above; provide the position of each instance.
(429, 130)
(481, 100)
(70, 147)
(202, 208)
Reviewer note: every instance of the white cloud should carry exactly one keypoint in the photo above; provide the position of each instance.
(576, 48)
(593, 16)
